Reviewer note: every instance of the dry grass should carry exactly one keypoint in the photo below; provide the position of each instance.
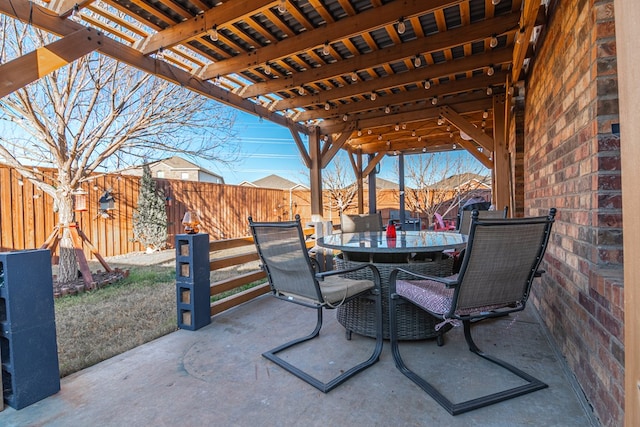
(97, 325)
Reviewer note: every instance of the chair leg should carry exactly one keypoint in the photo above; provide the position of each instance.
(533, 384)
(328, 386)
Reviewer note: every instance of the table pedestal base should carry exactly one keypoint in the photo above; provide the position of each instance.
(358, 315)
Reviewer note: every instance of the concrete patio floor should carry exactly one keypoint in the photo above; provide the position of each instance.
(216, 376)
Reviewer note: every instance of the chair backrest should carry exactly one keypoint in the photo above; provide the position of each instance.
(465, 219)
(284, 256)
(500, 262)
(359, 223)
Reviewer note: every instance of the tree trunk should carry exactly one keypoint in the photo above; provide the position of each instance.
(68, 264)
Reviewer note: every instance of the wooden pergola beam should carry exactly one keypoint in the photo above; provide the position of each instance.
(434, 43)
(523, 36)
(44, 60)
(366, 21)
(43, 19)
(495, 57)
(484, 140)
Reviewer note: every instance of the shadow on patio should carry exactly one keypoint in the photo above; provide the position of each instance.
(216, 376)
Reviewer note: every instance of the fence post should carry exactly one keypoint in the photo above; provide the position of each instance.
(192, 281)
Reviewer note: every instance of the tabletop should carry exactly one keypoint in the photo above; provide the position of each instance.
(405, 241)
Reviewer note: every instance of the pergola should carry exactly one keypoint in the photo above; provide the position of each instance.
(371, 77)
(374, 78)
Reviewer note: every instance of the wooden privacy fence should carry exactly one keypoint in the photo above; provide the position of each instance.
(27, 215)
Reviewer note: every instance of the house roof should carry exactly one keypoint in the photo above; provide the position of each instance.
(179, 163)
(383, 184)
(464, 179)
(274, 181)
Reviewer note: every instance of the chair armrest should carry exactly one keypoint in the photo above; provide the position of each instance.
(376, 273)
(449, 282)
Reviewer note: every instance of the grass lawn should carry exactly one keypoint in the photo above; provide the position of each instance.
(94, 326)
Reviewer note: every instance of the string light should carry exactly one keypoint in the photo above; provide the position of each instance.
(327, 106)
(345, 117)
(494, 41)
(301, 90)
(402, 27)
(282, 6)
(495, 2)
(373, 96)
(417, 61)
(454, 146)
(379, 137)
(419, 138)
(485, 114)
(325, 48)
(387, 109)
(213, 33)
(490, 71)
(75, 13)
(354, 77)
(440, 121)
(427, 84)
(424, 149)
(397, 127)
(489, 90)
(267, 69)
(434, 100)
(369, 131)
(160, 54)
(413, 133)
(359, 132)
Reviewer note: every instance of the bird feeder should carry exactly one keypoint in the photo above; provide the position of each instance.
(107, 202)
(79, 200)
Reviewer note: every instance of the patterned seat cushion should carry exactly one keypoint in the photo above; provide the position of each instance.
(432, 296)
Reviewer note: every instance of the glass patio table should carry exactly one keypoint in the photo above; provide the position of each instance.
(417, 251)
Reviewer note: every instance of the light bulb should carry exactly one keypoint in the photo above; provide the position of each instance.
(369, 131)
(325, 48)
(379, 137)
(327, 106)
(213, 33)
(75, 12)
(345, 117)
(427, 84)
(359, 132)
(267, 69)
(494, 42)
(413, 133)
(282, 6)
(424, 149)
(434, 100)
(417, 61)
(490, 71)
(485, 114)
(404, 126)
(454, 146)
(448, 128)
(387, 110)
(160, 54)
(373, 96)
(402, 27)
(397, 127)
(489, 90)
(301, 91)
(440, 121)
(495, 2)
(419, 138)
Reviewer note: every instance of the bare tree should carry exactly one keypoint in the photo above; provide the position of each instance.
(338, 182)
(97, 114)
(439, 181)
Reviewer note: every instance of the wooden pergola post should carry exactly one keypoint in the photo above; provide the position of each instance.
(501, 169)
(315, 175)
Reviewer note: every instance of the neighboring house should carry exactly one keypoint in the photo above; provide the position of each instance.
(274, 181)
(177, 168)
(464, 182)
(382, 184)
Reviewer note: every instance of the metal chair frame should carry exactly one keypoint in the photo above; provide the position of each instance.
(316, 301)
(469, 319)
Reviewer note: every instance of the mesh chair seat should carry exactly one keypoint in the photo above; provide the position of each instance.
(498, 268)
(293, 277)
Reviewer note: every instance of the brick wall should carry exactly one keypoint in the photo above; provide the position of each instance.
(572, 162)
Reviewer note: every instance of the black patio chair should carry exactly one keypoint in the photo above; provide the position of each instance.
(498, 268)
(293, 277)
